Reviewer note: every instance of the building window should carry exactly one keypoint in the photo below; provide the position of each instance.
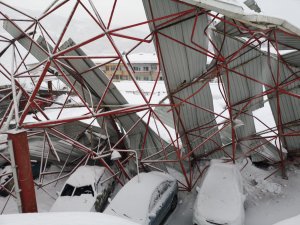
(117, 77)
(136, 68)
(107, 68)
(146, 78)
(124, 77)
(153, 67)
(146, 68)
(113, 68)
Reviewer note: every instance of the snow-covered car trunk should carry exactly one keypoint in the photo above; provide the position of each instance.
(220, 199)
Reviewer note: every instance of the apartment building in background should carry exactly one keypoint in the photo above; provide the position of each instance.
(145, 66)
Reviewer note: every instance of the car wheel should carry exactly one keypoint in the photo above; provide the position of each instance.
(174, 203)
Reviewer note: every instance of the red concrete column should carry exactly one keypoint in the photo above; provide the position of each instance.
(23, 168)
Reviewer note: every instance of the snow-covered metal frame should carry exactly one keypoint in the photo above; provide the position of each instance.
(185, 33)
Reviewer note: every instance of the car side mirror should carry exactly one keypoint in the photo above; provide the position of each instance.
(152, 215)
(197, 189)
(109, 200)
(58, 193)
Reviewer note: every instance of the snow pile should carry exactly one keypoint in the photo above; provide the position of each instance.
(266, 186)
(270, 199)
(63, 219)
(54, 111)
(256, 184)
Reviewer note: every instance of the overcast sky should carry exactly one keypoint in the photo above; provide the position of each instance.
(131, 11)
(286, 9)
(127, 11)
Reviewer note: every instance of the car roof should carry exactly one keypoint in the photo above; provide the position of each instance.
(69, 218)
(219, 196)
(85, 175)
(133, 200)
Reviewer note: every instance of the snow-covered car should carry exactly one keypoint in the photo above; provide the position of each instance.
(84, 191)
(146, 199)
(220, 198)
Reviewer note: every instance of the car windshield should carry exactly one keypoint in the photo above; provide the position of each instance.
(84, 190)
(68, 190)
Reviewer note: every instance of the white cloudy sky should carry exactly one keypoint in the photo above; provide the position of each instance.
(131, 11)
(126, 11)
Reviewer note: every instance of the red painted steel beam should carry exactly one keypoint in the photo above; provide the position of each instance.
(23, 168)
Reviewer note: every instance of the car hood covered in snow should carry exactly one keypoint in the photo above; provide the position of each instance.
(132, 201)
(220, 199)
(82, 203)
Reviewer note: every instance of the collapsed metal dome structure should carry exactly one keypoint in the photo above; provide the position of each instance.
(196, 41)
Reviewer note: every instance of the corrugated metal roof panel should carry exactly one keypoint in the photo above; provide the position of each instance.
(292, 58)
(246, 62)
(181, 65)
(289, 105)
(290, 41)
(285, 41)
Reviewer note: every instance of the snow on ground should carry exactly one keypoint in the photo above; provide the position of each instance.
(133, 96)
(273, 199)
(292, 221)
(53, 112)
(77, 218)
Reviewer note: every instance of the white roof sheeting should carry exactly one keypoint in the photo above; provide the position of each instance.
(236, 11)
(143, 58)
